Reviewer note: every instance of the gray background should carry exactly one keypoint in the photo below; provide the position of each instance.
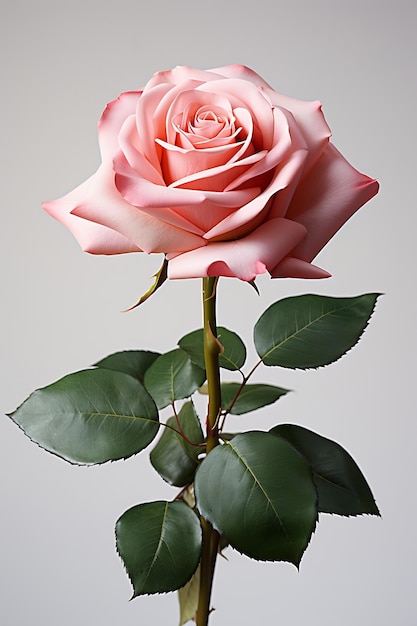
(63, 61)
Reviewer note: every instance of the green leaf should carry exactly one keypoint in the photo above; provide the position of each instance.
(173, 377)
(251, 397)
(188, 598)
(233, 356)
(175, 459)
(341, 486)
(159, 544)
(259, 495)
(311, 331)
(90, 417)
(132, 362)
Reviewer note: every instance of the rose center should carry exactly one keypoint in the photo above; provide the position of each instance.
(206, 127)
(201, 137)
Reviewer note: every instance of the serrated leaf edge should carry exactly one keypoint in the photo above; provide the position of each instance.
(334, 484)
(315, 522)
(316, 367)
(137, 595)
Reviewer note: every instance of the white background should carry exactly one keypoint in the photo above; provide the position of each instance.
(63, 61)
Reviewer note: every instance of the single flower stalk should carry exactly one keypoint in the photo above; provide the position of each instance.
(210, 538)
(224, 177)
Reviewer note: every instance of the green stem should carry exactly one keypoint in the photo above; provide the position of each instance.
(211, 355)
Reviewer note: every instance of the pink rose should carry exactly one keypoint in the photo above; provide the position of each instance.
(220, 173)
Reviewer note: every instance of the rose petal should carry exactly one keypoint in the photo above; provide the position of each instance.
(209, 123)
(283, 140)
(104, 205)
(290, 267)
(244, 258)
(178, 163)
(160, 117)
(180, 74)
(219, 178)
(93, 238)
(331, 193)
(148, 126)
(189, 209)
(203, 138)
(112, 120)
(182, 207)
(310, 121)
(242, 72)
(146, 195)
(193, 139)
(130, 147)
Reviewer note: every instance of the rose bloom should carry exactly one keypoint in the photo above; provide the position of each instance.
(220, 173)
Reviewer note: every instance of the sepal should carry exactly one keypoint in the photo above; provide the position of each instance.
(188, 598)
(160, 277)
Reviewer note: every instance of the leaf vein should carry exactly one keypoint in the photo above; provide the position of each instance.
(259, 485)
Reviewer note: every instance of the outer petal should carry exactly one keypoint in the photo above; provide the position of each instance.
(93, 238)
(104, 205)
(290, 267)
(243, 72)
(148, 128)
(180, 74)
(310, 121)
(331, 193)
(130, 149)
(244, 258)
(112, 120)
